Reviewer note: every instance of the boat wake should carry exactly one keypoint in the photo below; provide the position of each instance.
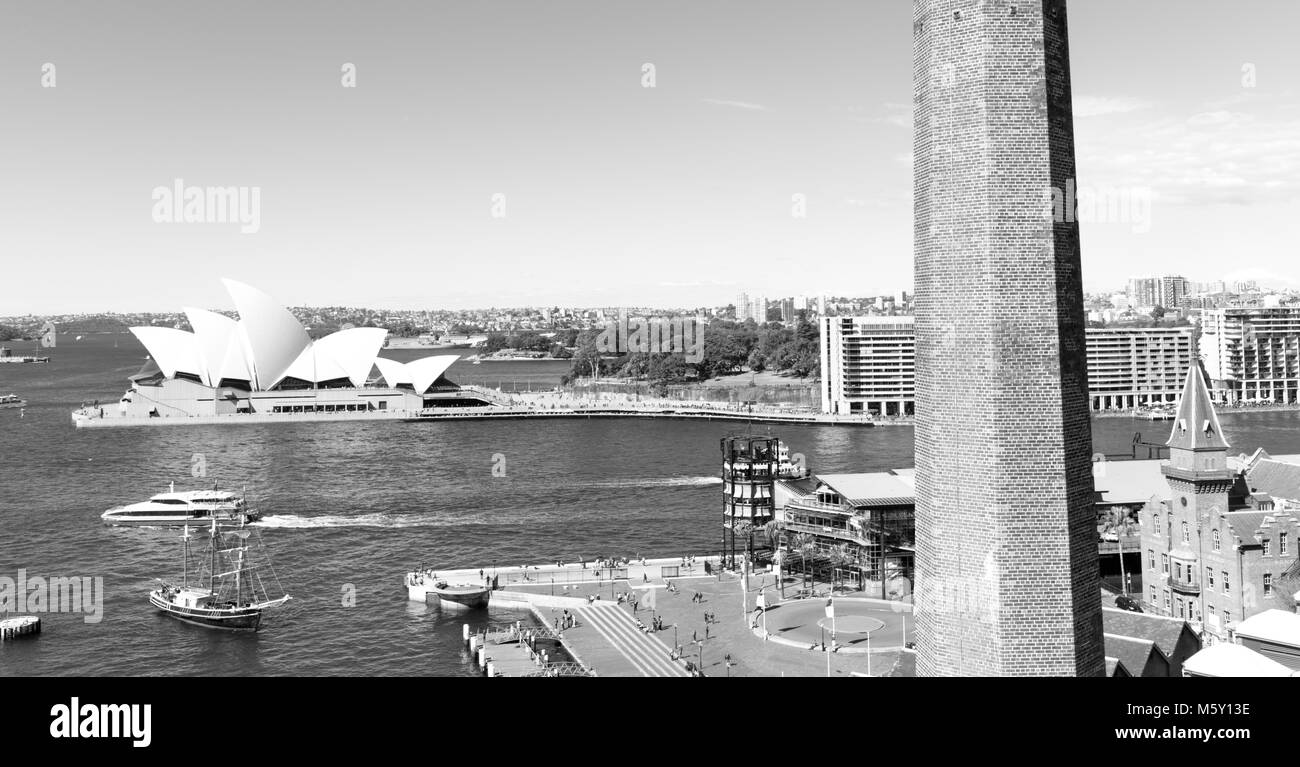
(657, 482)
(293, 521)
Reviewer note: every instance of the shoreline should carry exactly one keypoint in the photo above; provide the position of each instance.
(83, 421)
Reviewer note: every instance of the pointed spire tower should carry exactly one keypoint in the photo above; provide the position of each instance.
(1197, 470)
(1196, 428)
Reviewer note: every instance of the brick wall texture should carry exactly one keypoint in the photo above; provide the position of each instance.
(1006, 562)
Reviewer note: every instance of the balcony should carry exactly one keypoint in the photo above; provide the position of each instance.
(838, 533)
(1184, 587)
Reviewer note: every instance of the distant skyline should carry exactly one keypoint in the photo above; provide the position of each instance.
(678, 195)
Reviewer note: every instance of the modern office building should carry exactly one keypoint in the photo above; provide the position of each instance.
(1006, 553)
(1252, 355)
(1143, 292)
(869, 365)
(1173, 289)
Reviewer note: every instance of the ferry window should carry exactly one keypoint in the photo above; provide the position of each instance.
(383, 404)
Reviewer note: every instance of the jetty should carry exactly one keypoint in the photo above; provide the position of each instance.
(23, 625)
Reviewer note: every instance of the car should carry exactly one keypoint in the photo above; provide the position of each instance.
(1128, 603)
(1110, 537)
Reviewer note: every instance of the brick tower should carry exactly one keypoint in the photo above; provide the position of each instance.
(1006, 561)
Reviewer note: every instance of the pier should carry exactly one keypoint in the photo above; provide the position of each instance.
(23, 625)
(669, 617)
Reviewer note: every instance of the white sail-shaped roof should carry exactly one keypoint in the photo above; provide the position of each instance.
(420, 374)
(175, 351)
(221, 345)
(275, 337)
(394, 372)
(353, 350)
(268, 344)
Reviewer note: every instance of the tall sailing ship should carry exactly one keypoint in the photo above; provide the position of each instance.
(228, 591)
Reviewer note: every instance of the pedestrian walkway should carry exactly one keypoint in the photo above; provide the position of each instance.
(647, 653)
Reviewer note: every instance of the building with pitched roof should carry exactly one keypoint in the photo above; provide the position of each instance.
(1140, 657)
(1174, 638)
(1213, 552)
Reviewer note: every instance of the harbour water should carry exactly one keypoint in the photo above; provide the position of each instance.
(351, 507)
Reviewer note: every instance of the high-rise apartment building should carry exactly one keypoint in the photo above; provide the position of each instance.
(1253, 354)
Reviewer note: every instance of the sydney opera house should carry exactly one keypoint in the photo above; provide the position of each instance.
(266, 363)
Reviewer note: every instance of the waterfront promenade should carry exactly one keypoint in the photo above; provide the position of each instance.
(705, 618)
(108, 416)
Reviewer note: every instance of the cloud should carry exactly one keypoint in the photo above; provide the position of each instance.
(1095, 106)
(736, 104)
(1214, 157)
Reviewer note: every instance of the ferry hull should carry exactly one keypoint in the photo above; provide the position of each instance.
(111, 519)
(468, 600)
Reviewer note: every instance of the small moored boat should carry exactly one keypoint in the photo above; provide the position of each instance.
(462, 594)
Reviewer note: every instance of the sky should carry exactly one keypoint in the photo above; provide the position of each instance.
(508, 152)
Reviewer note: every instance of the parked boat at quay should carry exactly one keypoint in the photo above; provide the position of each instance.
(12, 400)
(426, 586)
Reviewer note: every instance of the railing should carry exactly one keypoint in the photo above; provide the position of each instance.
(833, 532)
(1128, 544)
(561, 669)
(1185, 587)
(819, 506)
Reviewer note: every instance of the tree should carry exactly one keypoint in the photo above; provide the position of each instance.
(587, 361)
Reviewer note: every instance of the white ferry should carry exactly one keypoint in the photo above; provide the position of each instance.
(186, 507)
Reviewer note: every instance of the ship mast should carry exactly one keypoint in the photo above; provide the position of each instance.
(212, 574)
(185, 562)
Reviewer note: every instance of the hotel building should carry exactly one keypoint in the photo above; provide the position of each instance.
(1252, 355)
(869, 365)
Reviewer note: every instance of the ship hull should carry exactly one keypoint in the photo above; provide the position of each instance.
(246, 619)
(112, 518)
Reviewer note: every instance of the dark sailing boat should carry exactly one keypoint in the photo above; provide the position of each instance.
(230, 593)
